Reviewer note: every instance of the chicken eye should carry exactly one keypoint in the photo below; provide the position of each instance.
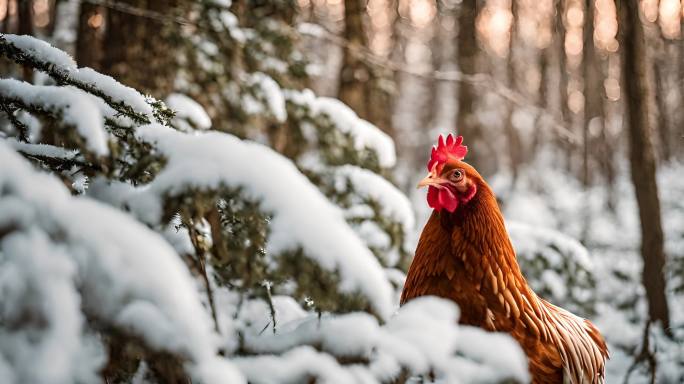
(457, 175)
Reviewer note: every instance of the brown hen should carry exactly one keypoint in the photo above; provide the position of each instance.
(464, 254)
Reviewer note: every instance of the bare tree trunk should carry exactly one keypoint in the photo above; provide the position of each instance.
(593, 90)
(664, 120)
(26, 28)
(362, 87)
(354, 73)
(139, 50)
(564, 112)
(4, 27)
(89, 49)
(637, 84)
(467, 51)
(514, 143)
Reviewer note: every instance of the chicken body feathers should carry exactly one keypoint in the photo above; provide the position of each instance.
(467, 256)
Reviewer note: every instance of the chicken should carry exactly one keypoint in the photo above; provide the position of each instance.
(464, 254)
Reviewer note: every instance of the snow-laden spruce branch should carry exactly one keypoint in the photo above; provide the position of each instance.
(70, 108)
(58, 261)
(62, 68)
(207, 161)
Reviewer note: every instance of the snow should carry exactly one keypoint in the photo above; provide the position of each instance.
(118, 92)
(421, 337)
(365, 134)
(528, 239)
(394, 203)
(45, 150)
(271, 93)
(294, 366)
(73, 109)
(40, 50)
(190, 110)
(60, 61)
(115, 269)
(302, 216)
(497, 357)
(311, 29)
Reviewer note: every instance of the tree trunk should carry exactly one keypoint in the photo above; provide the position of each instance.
(664, 120)
(637, 83)
(26, 28)
(564, 111)
(593, 90)
(354, 73)
(467, 50)
(139, 51)
(514, 143)
(4, 9)
(89, 49)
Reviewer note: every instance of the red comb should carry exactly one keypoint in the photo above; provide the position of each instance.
(451, 149)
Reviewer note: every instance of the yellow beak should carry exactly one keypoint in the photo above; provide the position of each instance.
(430, 179)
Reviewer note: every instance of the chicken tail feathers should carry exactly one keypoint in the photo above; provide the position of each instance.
(580, 344)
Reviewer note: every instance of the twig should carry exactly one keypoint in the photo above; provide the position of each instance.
(644, 354)
(269, 297)
(21, 127)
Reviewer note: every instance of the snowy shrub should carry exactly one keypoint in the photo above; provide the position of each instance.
(557, 266)
(139, 245)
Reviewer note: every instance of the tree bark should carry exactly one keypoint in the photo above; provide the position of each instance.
(26, 28)
(514, 143)
(90, 36)
(4, 26)
(593, 90)
(637, 85)
(139, 50)
(467, 52)
(664, 121)
(354, 73)
(564, 110)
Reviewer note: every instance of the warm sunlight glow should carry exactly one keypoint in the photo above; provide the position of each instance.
(575, 16)
(650, 9)
(95, 21)
(3, 9)
(494, 26)
(378, 12)
(41, 13)
(576, 101)
(573, 43)
(605, 25)
(612, 87)
(422, 12)
(669, 18)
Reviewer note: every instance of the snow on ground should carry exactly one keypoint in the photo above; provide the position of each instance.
(436, 346)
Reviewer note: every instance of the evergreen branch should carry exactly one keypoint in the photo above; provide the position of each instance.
(9, 109)
(62, 77)
(13, 103)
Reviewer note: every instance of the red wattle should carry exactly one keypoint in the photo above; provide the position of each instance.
(447, 200)
(432, 198)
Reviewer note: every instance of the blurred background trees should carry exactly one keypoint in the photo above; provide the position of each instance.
(572, 108)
